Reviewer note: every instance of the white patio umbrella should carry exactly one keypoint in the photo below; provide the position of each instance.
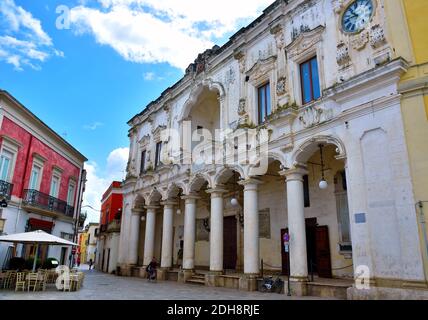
(37, 238)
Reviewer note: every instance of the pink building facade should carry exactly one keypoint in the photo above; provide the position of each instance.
(40, 179)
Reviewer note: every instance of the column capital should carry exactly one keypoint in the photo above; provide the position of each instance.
(151, 207)
(295, 173)
(137, 211)
(250, 184)
(191, 197)
(218, 191)
(169, 203)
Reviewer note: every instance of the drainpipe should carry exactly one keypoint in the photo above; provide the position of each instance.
(77, 211)
(420, 205)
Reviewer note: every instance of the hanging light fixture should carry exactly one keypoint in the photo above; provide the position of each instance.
(179, 212)
(234, 202)
(323, 183)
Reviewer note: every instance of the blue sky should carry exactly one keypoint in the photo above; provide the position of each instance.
(88, 80)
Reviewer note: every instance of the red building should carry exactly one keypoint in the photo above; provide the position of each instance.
(109, 233)
(111, 203)
(41, 178)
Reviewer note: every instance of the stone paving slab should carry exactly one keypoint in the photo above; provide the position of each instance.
(100, 286)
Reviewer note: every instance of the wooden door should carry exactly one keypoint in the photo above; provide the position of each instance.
(285, 256)
(108, 261)
(230, 245)
(311, 244)
(323, 252)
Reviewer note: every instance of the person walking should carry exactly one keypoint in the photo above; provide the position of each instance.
(90, 264)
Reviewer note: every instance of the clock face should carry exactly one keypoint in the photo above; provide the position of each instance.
(357, 15)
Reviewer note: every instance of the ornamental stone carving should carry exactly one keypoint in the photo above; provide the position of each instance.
(278, 32)
(230, 77)
(242, 108)
(240, 56)
(338, 5)
(311, 117)
(145, 141)
(305, 41)
(377, 36)
(360, 40)
(281, 86)
(342, 56)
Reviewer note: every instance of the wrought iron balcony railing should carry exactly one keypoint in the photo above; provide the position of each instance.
(44, 201)
(6, 189)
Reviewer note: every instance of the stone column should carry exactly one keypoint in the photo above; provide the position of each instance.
(149, 243)
(189, 233)
(251, 235)
(297, 228)
(134, 237)
(167, 235)
(124, 232)
(216, 234)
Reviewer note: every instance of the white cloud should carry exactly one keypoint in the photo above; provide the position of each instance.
(149, 76)
(23, 42)
(156, 31)
(98, 180)
(94, 126)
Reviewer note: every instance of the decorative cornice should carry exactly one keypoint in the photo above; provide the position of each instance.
(305, 41)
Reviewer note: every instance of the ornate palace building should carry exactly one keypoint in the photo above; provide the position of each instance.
(317, 82)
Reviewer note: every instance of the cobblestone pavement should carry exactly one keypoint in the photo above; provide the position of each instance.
(100, 286)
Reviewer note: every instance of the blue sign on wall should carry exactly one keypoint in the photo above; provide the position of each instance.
(360, 218)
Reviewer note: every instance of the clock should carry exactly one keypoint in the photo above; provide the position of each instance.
(357, 15)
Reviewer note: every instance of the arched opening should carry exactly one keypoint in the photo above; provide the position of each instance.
(272, 219)
(328, 235)
(204, 112)
(233, 221)
(199, 187)
(174, 195)
(139, 204)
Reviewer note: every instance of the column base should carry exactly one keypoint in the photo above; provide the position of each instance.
(185, 275)
(298, 286)
(248, 282)
(163, 274)
(212, 279)
(126, 270)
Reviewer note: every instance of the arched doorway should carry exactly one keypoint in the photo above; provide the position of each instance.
(233, 220)
(328, 234)
(199, 187)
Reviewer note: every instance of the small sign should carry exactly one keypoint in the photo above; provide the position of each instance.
(286, 237)
(287, 248)
(360, 218)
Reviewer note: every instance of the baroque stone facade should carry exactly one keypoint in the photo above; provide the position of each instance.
(352, 137)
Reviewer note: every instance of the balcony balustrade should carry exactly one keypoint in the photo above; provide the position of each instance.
(37, 199)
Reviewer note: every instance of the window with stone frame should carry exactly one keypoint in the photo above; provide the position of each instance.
(143, 162)
(158, 161)
(8, 155)
(264, 102)
(309, 78)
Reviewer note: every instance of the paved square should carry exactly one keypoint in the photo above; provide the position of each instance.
(100, 286)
